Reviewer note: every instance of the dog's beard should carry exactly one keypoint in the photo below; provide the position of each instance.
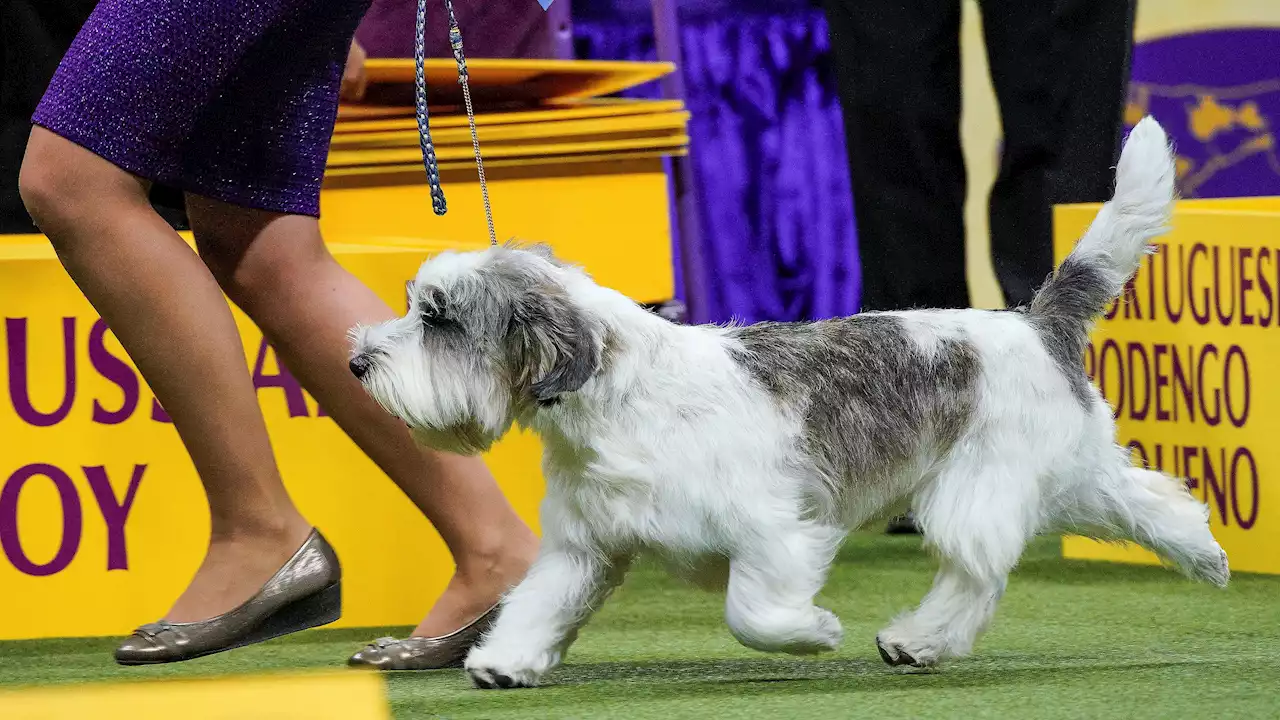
(461, 439)
(447, 406)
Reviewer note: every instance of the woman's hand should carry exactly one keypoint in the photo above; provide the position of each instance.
(354, 80)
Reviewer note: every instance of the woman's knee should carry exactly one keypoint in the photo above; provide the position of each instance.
(63, 185)
(44, 183)
(255, 255)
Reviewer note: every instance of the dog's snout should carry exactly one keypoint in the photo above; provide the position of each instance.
(360, 366)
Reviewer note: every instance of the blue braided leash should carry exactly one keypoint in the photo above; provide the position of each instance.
(429, 162)
(424, 129)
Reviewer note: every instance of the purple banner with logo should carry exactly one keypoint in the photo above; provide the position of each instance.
(1217, 92)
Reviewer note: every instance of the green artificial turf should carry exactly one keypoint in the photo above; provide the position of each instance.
(1071, 640)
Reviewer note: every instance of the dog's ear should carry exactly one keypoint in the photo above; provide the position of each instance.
(556, 348)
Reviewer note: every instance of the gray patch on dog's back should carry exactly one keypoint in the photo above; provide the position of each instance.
(868, 395)
(1062, 313)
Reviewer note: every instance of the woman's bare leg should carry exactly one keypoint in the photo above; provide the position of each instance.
(170, 316)
(277, 268)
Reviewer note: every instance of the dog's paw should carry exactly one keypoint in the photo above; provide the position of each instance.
(903, 652)
(794, 631)
(823, 635)
(1209, 565)
(490, 669)
(493, 679)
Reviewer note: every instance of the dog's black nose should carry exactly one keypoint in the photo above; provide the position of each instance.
(359, 366)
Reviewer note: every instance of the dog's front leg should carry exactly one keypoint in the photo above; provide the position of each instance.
(541, 617)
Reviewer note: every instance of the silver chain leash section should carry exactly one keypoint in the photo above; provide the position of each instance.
(455, 40)
(420, 100)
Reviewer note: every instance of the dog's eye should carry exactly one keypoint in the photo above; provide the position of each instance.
(431, 316)
(432, 308)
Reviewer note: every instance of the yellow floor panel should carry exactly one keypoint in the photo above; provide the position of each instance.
(318, 696)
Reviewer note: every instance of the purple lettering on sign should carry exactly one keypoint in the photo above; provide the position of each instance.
(1162, 381)
(1237, 419)
(1246, 283)
(1264, 285)
(72, 520)
(1181, 382)
(1151, 286)
(1111, 345)
(19, 392)
(294, 398)
(1174, 317)
(1224, 318)
(1136, 352)
(158, 414)
(116, 371)
(1211, 484)
(1244, 454)
(1216, 416)
(114, 513)
(1201, 316)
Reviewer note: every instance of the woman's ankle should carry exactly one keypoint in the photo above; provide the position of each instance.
(498, 557)
(286, 527)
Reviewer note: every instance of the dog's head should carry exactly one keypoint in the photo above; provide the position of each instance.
(489, 337)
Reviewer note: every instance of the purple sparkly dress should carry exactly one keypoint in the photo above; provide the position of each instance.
(233, 100)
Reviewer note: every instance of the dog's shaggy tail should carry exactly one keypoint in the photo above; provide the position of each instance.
(1112, 249)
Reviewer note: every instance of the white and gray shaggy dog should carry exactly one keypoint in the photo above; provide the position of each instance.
(742, 456)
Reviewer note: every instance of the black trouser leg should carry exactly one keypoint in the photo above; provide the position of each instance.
(898, 65)
(1060, 69)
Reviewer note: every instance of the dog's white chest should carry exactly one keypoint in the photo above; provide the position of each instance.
(634, 514)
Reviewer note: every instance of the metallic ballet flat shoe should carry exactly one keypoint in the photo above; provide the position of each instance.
(425, 653)
(305, 593)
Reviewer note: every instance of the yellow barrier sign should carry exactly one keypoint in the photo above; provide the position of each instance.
(317, 696)
(102, 518)
(1188, 359)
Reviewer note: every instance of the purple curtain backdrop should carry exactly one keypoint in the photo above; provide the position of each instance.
(767, 145)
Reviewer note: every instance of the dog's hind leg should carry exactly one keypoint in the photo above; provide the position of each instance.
(540, 618)
(772, 583)
(1157, 512)
(978, 522)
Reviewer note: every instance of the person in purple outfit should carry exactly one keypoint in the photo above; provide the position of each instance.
(234, 102)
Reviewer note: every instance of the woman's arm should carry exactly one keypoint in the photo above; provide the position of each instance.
(354, 80)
